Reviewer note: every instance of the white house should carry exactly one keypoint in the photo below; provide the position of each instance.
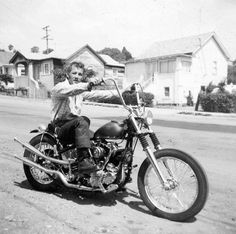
(170, 69)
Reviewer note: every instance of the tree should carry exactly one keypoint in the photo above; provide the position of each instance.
(10, 47)
(116, 54)
(231, 78)
(48, 51)
(35, 49)
(127, 54)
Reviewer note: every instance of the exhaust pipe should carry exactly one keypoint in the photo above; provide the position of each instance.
(57, 173)
(28, 162)
(33, 150)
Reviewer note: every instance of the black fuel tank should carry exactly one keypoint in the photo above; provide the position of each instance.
(112, 130)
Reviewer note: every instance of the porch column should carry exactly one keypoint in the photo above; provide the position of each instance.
(30, 70)
(176, 82)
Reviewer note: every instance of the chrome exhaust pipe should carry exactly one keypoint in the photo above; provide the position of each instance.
(57, 173)
(33, 150)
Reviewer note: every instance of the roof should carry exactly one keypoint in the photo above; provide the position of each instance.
(5, 57)
(38, 56)
(110, 61)
(181, 46)
(105, 59)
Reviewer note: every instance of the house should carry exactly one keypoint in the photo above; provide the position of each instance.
(35, 69)
(171, 69)
(103, 64)
(5, 66)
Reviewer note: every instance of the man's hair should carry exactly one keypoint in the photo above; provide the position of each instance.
(68, 67)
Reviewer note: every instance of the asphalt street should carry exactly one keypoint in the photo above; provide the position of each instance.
(209, 138)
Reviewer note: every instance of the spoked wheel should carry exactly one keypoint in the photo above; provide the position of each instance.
(39, 179)
(186, 189)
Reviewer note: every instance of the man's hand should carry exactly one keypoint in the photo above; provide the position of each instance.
(95, 80)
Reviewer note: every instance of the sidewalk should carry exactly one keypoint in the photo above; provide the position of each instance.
(184, 114)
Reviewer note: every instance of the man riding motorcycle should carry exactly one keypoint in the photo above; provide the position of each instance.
(67, 97)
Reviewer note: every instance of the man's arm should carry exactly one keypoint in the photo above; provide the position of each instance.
(66, 90)
(97, 94)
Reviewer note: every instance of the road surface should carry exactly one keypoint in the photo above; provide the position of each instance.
(24, 210)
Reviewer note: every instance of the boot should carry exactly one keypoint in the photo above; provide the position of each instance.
(85, 162)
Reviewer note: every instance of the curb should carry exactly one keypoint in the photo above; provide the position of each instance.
(179, 112)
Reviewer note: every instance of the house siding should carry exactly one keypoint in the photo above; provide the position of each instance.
(135, 72)
(202, 66)
(89, 60)
(47, 79)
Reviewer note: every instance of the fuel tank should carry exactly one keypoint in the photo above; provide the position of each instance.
(111, 130)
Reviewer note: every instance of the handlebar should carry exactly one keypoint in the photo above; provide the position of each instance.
(119, 93)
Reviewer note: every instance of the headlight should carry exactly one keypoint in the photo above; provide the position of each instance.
(148, 117)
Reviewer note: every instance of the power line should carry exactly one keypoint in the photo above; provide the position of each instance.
(46, 37)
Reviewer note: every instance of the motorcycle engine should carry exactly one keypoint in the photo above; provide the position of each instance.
(100, 153)
(104, 177)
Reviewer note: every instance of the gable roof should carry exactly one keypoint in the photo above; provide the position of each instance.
(36, 56)
(110, 61)
(90, 49)
(105, 59)
(181, 46)
(5, 57)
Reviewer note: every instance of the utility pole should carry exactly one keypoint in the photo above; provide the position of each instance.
(46, 37)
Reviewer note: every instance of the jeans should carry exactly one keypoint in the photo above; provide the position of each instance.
(75, 130)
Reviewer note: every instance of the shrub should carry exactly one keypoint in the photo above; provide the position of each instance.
(218, 102)
(234, 102)
(131, 99)
(210, 87)
(6, 78)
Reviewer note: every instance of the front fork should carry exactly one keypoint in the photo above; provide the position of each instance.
(148, 150)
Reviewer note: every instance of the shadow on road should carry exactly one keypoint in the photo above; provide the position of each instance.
(127, 197)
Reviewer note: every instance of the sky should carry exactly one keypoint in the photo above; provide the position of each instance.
(135, 24)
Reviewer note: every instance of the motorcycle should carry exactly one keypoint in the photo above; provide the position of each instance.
(171, 183)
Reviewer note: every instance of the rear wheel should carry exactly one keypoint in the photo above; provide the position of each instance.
(186, 189)
(39, 179)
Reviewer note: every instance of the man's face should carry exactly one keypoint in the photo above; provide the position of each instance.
(76, 75)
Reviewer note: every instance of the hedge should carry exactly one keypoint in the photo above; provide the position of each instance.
(218, 102)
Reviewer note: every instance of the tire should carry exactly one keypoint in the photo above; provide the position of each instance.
(174, 159)
(48, 184)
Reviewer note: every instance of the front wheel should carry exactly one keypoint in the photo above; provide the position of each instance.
(185, 191)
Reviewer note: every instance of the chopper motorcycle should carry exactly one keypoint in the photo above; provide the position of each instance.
(171, 183)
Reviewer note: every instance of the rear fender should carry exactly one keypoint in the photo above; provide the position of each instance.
(41, 129)
(44, 134)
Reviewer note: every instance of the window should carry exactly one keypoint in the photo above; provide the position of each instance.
(46, 68)
(167, 66)
(151, 69)
(6, 70)
(167, 91)
(186, 65)
(21, 69)
(115, 72)
(121, 71)
(214, 68)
